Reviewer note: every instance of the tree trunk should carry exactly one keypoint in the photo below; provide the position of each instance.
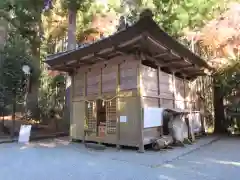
(3, 117)
(218, 109)
(32, 100)
(71, 45)
(13, 115)
(72, 18)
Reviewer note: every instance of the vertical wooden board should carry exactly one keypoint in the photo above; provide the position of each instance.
(179, 94)
(179, 104)
(78, 88)
(149, 102)
(128, 75)
(151, 133)
(149, 81)
(165, 78)
(165, 88)
(93, 80)
(129, 131)
(77, 121)
(188, 91)
(188, 105)
(109, 79)
(166, 85)
(194, 91)
(167, 103)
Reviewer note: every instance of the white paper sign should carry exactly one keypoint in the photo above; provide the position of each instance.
(24, 134)
(123, 119)
(153, 117)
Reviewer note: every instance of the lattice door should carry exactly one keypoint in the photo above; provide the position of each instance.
(111, 116)
(91, 116)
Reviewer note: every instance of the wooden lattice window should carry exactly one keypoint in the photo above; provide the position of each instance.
(111, 116)
(91, 116)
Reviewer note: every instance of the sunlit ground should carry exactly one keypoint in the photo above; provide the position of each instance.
(59, 159)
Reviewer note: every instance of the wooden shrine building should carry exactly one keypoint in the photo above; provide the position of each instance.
(114, 78)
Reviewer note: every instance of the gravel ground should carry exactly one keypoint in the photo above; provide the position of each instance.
(59, 160)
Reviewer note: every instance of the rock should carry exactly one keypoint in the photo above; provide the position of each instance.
(163, 142)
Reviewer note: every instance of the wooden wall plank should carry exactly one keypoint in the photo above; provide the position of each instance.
(78, 89)
(149, 102)
(109, 79)
(93, 80)
(188, 91)
(128, 75)
(166, 85)
(149, 81)
(167, 103)
(166, 90)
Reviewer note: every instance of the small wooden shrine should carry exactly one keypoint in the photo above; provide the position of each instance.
(114, 79)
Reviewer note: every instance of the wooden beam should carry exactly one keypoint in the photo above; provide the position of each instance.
(163, 54)
(174, 54)
(158, 62)
(71, 62)
(97, 56)
(156, 43)
(184, 67)
(163, 63)
(131, 41)
(171, 62)
(196, 73)
(120, 52)
(87, 57)
(106, 50)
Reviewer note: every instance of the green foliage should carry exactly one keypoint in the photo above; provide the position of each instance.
(52, 93)
(228, 79)
(25, 16)
(176, 16)
(13, 56)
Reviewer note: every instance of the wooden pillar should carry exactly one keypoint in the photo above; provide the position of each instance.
(71, 97)
(158, 84)
(203, 85)
(100, 84)
(141, 127)
(190, 120)
(187, 120)
(85, 85)
(85, 105)
(196, 89)
(71, 46)
(117, 102)
(159, 92)
(184, 92)
(198, 98)
(174, 88)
